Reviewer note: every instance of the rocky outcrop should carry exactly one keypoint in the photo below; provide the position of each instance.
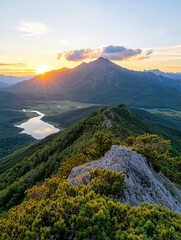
(143, 184)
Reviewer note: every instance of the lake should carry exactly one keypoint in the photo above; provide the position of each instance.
(37, 128)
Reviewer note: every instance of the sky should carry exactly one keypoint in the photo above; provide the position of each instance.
(40, 35)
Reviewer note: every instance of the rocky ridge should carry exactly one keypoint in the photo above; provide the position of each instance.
(142, 183)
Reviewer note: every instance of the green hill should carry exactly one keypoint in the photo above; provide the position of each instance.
(33, 164)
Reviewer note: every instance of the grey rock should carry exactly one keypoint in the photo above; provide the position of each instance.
(143, 184)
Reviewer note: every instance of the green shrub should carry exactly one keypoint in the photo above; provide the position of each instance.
(107, 182)
(157, 151)
(79, 213)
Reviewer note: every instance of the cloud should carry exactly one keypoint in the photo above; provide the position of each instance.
(13, 64)
(116, 53)
(78, 55)
(148, 52)
(169, 52)
(32, 28)
(119, 53)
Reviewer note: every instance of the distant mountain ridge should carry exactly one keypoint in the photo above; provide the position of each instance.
(176, 76)
(6, 81)
(102, 81)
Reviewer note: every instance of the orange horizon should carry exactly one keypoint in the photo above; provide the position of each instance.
(42, 68)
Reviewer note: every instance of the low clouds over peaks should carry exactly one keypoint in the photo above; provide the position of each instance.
(78, 55)
(119, 52)
(115, 53)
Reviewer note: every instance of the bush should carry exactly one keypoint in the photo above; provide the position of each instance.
(157, 152)
(107, 182)
(79, 213)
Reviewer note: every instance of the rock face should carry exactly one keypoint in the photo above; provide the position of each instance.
(143, 184)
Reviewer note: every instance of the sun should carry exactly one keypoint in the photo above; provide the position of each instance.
(43, 69)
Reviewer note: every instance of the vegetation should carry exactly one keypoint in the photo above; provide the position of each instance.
(56, 209)
(107, 182)
(68, 118)
(46, 159)
(59, 210)
(169, 117)
(11, 114)
(157, 151)
(10, 139)
(136, 125)
(86, 140)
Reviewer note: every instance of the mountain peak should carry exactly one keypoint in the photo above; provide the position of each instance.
(102, 59)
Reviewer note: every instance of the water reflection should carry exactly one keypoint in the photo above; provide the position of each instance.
(36, 127)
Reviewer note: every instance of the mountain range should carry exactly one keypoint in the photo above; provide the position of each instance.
(102, 81)
(6, 81)
(176, 76)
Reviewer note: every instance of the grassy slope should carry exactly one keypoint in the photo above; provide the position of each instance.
(35, 163)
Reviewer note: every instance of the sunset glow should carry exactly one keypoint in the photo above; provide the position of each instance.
(43, 69)
(56, 42)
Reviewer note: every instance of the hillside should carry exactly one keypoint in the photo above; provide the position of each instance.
(56, 209)
(59, 210)
(168, 117)
(33, 164)
(10, 114)
(67, 118)
(102, 81)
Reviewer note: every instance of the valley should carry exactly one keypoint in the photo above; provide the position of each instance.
(61, 114)
(12, 114)
(169, 117)
(35, 127)
(52, 107)
(60, 135)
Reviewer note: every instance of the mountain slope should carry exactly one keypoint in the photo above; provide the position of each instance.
(33, 164)
(59, 210)
(10, 114)
(171, 118)
(102, 81)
